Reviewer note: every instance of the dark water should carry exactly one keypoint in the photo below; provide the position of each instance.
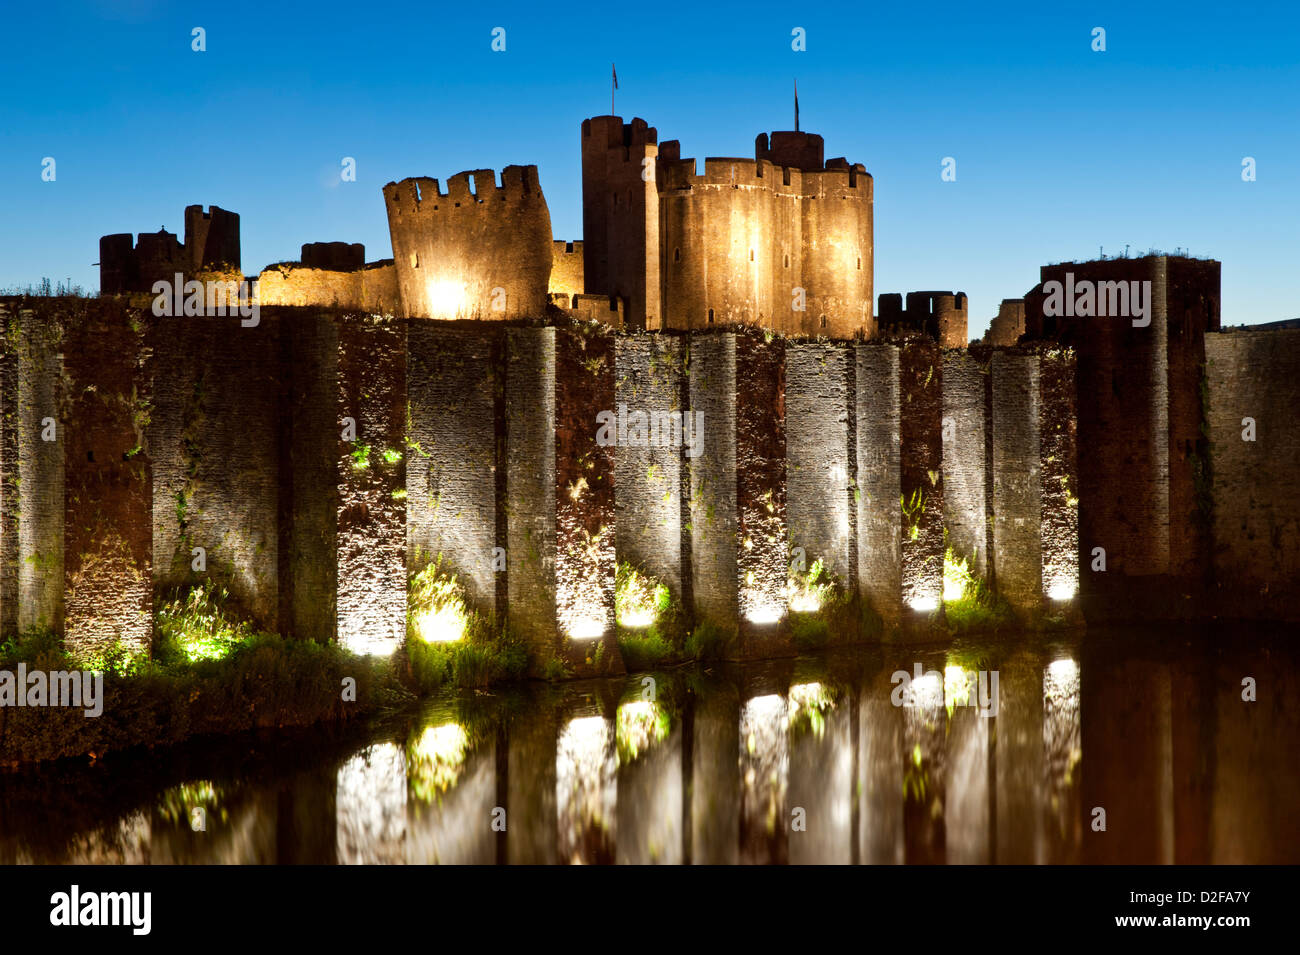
(800, 761)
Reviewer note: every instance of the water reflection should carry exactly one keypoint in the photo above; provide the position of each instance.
(988, 754)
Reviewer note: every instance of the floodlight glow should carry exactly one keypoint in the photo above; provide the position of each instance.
(1061, 590)
(586, 628)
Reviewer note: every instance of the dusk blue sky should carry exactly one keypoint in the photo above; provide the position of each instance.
(1060, 150)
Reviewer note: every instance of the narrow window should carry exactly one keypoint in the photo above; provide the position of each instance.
(787, 260)
(859, 263)
(751, 255)
(415, 260)
(823, 321)
(677, 255)
(710, 316)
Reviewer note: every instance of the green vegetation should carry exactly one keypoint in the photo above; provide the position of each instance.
(361, 457)
(913, 508)
(968, 602)
(638, 726)
(195, 626)
(648, 622)
(821, 609)
(262, 680)
(448, 643)
(707, 642)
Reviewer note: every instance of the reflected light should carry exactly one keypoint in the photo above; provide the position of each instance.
(926, 691)
(956, 685)
(639, 725)
(439, 756)
(1063, 671)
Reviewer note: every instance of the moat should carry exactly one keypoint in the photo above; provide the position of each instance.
(1185, 738)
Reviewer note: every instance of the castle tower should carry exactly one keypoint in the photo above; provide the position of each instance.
(211, 244)
(620, 215)
(211, 238)
(477, 250)
(941, 316)
(782, 241)
(1139, 328)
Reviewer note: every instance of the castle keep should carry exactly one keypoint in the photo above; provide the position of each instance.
(782, 241)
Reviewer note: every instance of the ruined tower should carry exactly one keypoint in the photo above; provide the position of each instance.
(211, 244)
(478, 250)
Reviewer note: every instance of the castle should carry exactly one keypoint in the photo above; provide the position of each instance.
(782, 241)
(1131, 468)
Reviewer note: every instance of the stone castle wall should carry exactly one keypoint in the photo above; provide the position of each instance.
(200, 432)
(372, 289)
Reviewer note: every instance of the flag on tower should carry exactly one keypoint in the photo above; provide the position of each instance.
(614, 73)
(796, 106)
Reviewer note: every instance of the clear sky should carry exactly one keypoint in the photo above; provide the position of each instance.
(1059, 150)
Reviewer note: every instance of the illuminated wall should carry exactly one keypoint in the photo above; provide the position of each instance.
(819, 382)
(34, 473)
(1059, 461)
(107, 539)
(477, 251)
(214, 441)
(584, 501)
(714, 517)
(472, 437)
(530, 484)
(620, 216)
(965, 464)
(455, 387)
(566, 269)
(559, 485)
(369, 289)
(920, 369)
(879, 476)
(651, 484)
(1017, 481)
(739, 548)
(371, 536)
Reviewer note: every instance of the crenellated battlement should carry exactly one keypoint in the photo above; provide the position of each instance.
(848, 181)
(612, 134)
(422, 195)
